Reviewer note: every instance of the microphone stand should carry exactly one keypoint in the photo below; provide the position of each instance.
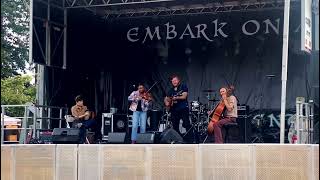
(259, 137)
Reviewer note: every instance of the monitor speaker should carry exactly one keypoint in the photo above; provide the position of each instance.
(148, 138)
(66, 136)
(170, 136)
(117, 138)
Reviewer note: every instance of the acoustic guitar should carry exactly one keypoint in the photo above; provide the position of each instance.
(170, 100)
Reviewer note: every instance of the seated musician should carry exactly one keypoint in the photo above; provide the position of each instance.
(229, 116)
(84, 119)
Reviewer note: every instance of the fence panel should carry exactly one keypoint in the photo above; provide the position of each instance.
(285, 162)
(226, 161)
(35, 162)
(66, 161)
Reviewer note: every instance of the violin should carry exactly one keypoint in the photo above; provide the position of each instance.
(146, 96)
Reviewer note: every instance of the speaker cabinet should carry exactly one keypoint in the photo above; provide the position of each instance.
(114, 123)
(66, 136)
(170, 136)
(119, 123)
(117, 138)
(148, 138)
(245, 128)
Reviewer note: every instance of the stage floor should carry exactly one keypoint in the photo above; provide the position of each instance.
(160, 162)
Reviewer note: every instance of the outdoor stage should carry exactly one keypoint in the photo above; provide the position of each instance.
(203, 161)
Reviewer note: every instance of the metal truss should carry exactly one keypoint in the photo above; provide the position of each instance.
(120, 9)
(195, 9)
(107, 3)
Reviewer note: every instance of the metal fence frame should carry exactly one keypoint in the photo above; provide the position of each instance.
(38, 115)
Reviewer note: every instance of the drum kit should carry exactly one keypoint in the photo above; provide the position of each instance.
(199, 116)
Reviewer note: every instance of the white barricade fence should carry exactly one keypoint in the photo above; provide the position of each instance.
(160, 162)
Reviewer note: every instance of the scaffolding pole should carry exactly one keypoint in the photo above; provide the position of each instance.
(284, 68)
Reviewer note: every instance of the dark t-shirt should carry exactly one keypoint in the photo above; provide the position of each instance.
(180, 104)
(139, 107)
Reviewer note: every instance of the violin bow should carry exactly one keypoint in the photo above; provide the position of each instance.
(153, 86)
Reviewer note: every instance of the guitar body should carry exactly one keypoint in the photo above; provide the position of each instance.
(216, 116)
(170, 101)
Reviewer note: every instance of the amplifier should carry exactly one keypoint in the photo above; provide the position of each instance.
(243, 111)
(245, 128)
(244, 123)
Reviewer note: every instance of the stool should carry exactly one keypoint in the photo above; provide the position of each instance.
(227, 128)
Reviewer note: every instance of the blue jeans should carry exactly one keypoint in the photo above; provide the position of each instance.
(86, 124)
(139, 117)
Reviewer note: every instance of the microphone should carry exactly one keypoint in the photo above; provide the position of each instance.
(270, 75)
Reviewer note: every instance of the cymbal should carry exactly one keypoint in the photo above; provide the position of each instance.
(208, 90)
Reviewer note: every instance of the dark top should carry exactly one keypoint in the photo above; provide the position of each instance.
(180, 104)
(139, 106)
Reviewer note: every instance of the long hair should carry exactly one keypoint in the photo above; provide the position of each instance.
(230, 89)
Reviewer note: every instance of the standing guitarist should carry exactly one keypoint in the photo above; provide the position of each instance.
(177, 101)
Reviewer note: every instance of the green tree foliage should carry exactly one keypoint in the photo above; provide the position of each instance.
(17, 90)
(14, 36)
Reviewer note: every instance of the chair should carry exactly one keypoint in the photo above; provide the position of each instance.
(228, 128)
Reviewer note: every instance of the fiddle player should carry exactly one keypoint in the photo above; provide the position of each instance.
(229, 116)
(177, 101)
(140, 103)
